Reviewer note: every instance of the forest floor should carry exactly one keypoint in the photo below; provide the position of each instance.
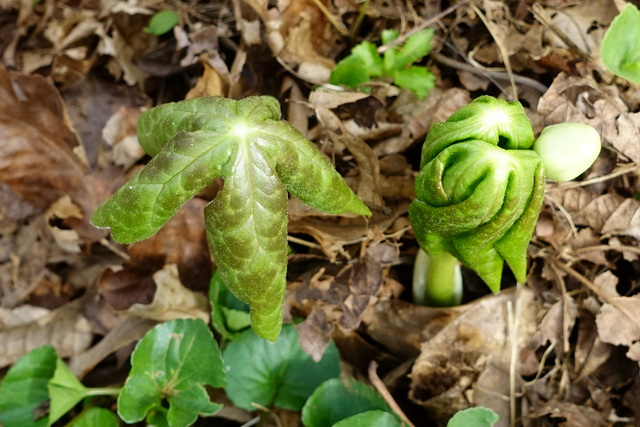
(560, 349)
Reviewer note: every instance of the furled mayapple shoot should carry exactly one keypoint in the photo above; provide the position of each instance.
(260, 158)
(481, 185)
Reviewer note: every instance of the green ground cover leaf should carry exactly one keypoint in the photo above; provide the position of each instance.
(275, 374)
(340, 398)
(96, 417)
(171, 364)
(260, 158)
(229, 315)
(474, 417)
(620, 49)
(373, 419)
(24, 389)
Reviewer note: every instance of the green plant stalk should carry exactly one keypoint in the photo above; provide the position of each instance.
(437, 281)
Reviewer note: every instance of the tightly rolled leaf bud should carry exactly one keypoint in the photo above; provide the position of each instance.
(480, 188)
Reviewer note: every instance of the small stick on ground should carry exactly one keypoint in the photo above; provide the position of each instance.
(382, 389)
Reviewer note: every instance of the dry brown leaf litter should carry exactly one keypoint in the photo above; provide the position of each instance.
(577, 361)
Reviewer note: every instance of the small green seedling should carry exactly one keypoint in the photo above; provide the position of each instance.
(365, 63)
(162, 22)
(260, 157)
(481, 185)
(620, 49)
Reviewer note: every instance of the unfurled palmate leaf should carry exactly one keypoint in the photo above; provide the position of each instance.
(260, 158)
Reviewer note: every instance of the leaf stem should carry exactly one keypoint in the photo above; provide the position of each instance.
(437, 280)
(103, 391)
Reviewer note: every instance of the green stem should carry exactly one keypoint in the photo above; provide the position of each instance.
(437, 281)
(103, 391)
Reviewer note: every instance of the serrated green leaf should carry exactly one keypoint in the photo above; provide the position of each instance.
(419, 80)
(369, 55)
(96, 417)
(389, 35)
(260, 158)
(373, 419)
(480, 188)
(620, 49)
(277, 374)
(172, 362)
(351, 72)
(474, 417)
(162, 22)
(340, 398)
(415, 48)
(24, 389)
(229, 315)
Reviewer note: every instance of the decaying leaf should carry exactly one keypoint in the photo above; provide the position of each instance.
(473, 353)
(172, 300)
(25, 328)
(37, 158)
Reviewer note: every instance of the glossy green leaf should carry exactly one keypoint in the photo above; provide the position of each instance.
(96, 417)
(162, 22)
(620, 49)
(338, 399)
(275, 374)
(474, 417)
(23, 392)
(480, 188)
(229, 315)
(260, 158)
(171, 364)
(373, 419)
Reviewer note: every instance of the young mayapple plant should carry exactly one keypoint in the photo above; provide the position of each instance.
(260, 158)
(481, 183)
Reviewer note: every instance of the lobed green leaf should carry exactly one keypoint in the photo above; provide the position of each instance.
(260, 158)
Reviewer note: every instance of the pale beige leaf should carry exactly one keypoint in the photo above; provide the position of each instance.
(66, 329)
(625, 220)
(172, 300)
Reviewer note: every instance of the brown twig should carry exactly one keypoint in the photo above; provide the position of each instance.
(384, 392)
(490, 74)
(400, 40)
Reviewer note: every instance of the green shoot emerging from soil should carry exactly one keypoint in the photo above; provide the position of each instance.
(260, 158)
(481, 185)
